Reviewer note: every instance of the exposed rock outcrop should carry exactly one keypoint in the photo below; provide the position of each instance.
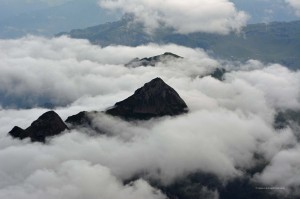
(80, 119)
(154, 99)
(48, 124)
(18, 132)
(152, 61)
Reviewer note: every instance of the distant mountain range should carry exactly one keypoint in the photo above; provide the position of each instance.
(274, 42)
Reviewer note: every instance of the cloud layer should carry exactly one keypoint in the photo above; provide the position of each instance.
(295, 4)
(228, 124)
(61, 70)
(212, 16)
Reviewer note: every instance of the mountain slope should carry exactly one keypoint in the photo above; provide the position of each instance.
(276, 42)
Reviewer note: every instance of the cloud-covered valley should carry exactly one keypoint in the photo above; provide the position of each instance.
(229, 123)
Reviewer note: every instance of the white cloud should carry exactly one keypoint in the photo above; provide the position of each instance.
(61, 70)
(276, 82)
(294, 4)
(185, 16)
(228, 122)
(283, 171)
(76, 179)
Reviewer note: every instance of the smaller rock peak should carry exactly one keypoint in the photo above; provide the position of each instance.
(18, 132)
(48, 124)
(152, 61)
(49, 115)
(171, 54)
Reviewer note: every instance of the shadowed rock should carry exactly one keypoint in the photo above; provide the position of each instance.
(18, 132)
(85, 119)
(48, 124)
(80, 119)
(152, 61)
(154, 99)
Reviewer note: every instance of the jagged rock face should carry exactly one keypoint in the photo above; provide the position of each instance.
(152, 61)
(80, 119)
(84, 119)
(48, 124)
(154, 99)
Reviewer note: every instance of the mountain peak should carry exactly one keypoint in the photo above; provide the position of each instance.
(154, 99)
(156, 82)
(48, 124)
(171, 54)
(152, 61)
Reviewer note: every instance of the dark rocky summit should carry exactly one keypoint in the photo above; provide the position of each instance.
(18, 132)
(152, 61)
(48, 124)
(154, 99)
(78, 119)
(81, 119)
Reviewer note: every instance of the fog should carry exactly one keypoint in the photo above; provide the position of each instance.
(229, 122)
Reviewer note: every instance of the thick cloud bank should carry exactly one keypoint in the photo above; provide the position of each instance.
(38, 71)
(185, 16)
(295, 4)
(284, 170)
(230, 122)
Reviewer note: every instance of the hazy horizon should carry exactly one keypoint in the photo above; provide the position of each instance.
(46, 18)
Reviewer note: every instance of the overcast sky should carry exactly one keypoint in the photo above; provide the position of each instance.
(210, 16)
(49, 17)
(259, 10)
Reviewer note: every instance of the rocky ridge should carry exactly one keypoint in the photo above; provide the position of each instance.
(154, 99)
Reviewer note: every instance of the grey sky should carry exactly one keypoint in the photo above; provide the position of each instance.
(260, 10)
(48, 17)
(267, 10)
